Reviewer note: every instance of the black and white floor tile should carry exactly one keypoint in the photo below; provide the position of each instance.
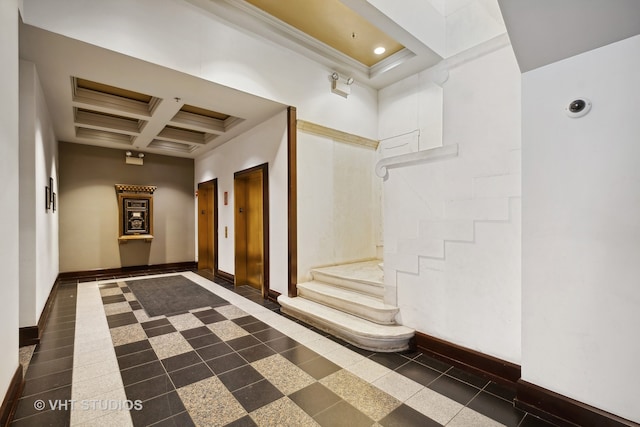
(237, 364)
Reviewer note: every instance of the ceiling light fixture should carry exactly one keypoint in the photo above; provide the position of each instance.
(379, 50)
(350, 81)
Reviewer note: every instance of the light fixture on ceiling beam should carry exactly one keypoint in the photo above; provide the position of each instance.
(342, 88)
(130, 160)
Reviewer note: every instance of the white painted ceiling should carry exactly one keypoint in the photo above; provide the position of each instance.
(546, 31)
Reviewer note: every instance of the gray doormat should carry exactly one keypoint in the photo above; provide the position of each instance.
(172, 295)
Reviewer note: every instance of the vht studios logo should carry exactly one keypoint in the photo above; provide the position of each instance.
(88, 405)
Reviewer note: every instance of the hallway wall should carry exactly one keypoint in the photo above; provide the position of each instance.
(38, 226)
(265, 143)
(9, 178)
(88, 209)
(452, 226)
(581, 234)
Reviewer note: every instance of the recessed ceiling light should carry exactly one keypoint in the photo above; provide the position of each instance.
(379, 50)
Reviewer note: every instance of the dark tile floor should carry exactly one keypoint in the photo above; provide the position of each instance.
(48, 377)
(249, 367)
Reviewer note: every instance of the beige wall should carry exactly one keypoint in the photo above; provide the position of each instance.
(88, 209)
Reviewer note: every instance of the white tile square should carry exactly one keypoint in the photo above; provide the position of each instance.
(434, 405)
(398, 385)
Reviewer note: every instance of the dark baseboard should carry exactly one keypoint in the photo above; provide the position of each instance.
(273, 296)
(487, 366)
(225, 277)
(136, 269)
(30, 335)
(11, 397)
(564, 411)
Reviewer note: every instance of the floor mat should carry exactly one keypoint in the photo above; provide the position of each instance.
(172, 295)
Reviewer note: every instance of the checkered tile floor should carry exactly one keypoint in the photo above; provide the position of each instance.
(239, 363)
(222, 366)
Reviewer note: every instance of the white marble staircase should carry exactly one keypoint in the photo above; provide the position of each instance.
(347, 301)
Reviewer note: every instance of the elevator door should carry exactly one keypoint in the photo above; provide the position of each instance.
(207, 225)
(249, 229)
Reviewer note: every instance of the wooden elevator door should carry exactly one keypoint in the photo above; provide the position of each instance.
(206, 231)
(249, 222)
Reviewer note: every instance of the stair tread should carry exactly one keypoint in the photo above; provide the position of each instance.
(365, 272)
(356, 297)
(346, 321)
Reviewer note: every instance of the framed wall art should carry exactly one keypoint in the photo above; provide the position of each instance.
(135, 210)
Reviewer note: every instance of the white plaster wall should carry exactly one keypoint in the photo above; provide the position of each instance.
(9, 176)
(265, 143)
(39, 253)
(581, 236)
(27, 205)
(451, 227)
(338, 203)
(470, 22)
(180, 36)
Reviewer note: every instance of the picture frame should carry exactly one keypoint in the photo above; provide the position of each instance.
(47, 198)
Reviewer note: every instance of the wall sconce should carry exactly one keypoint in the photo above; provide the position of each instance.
(130, 160)
(341, 88)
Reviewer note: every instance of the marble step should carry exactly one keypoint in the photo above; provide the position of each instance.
(361, 305)
(364, 277)
(352, 329)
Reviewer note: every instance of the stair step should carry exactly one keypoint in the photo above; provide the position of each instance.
(352, 329)
(364, 277)
(361, 305)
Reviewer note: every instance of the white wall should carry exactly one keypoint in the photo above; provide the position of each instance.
(451, 227)
(338, 203)
(180, 36)
(266, 143)
(9, 158)
(581, 234)
(470, 22)
(38, 227)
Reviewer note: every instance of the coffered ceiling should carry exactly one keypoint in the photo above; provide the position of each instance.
(103, 98)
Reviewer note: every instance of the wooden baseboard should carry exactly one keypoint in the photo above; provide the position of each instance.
(273, 296)
(30, 335)
(11, 397)
(487, 366)
(563, 411)
(227, 277)
(108, 272)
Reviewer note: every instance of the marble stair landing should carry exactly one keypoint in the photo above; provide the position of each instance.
(346, 301)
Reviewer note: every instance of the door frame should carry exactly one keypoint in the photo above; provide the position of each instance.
(264, 169)
(214, 183)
